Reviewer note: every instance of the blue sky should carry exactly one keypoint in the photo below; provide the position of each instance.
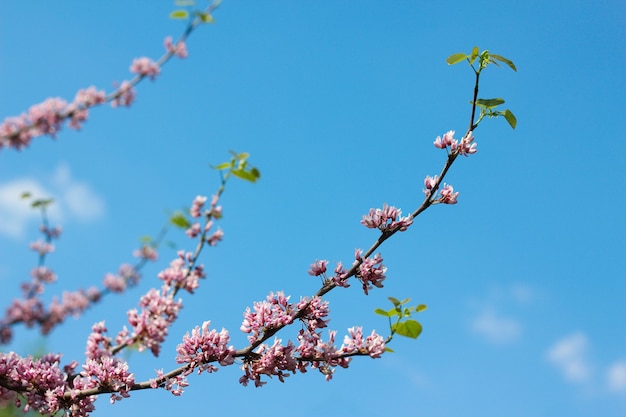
(338, 104)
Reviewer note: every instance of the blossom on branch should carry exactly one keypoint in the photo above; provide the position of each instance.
(389, 218)
(145, 67)
(180, 49)
(448, 196)
(202, 347)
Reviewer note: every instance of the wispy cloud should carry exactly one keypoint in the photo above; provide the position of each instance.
(495, 328)
(616, 377)
(569, 355)
(73, 200)
(491, 323)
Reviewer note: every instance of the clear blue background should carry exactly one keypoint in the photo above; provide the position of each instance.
(338, 104)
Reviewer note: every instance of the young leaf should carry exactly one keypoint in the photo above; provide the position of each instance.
(474, 55)
(179, 220)
(506, 61)
(223, 166)
(456, 58)
(255, 172)
(25, 195)
(489, 102)
(510, 117)
(420, 307)
(184, 3)
(381, 312)
(244, 175)
(387, 349)
(409, 328)
(206, 18)
(394, 301)
(179, 14)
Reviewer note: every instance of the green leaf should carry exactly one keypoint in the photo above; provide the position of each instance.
(255, 172)
(381, 312)
(145, 239)
(474, 55)
(244, 175)
(179, 14)
(25, 195)
(179, 220)
(223, 166)
(510, 117)
(505, 60)
(456, 58)
(185, 3)
(420, 307)
(409, 328)
(387, 349)
(394, 301)
(42, 202)
(205, 17)
(489, 102)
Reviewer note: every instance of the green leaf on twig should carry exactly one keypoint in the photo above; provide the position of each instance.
(456, 58)
(381, 312)
(244, 175)
(178, 219)
(500, 58)
(44, 202)
(474, 55)
(510, 117)
(179, 14)
(409, 328)
(489, 102)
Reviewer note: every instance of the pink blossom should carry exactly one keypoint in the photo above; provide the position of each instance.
(108, 372)
(389, 218)
(158, 312)
(273, 313)
(317, 268)
(466, 147)
(125, 95)
(373, 345)
(45, 118)
(314, 312)
(114, 283)
(272, 360)
(217, 236)
(175, 384)
(371, 271)
(196, 206)
(194, 230)
(15, 133)
(339, 279)
(320, 355)
(50, 233)
(447, 140)
(42, 247)
(79, 109)
(43, 274)
(145, 67)
(203, 347)
(146, 252)
(180, 49)
(179, 276)
(448, 196)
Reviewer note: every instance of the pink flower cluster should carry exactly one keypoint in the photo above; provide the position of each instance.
(373, 345)
(389, 218)
(41, 383)
(178, 275)
(446, 195)
(145, 67)
(124, 96)
(175, 385)
(464, 147)
(203, 347)
(158, 313)
(370, 271)
(214, 211)
(107, 373)
(318, 268)
(273, 313)
(272, 360)
(180, 49)
(127, 276)
(46, 118)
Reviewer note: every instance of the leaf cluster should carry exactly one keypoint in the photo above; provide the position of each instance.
(404, 324)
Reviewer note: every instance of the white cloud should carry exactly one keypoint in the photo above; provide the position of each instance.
(570, 355)
(72, 200)
(496, 329)
(616, 377)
